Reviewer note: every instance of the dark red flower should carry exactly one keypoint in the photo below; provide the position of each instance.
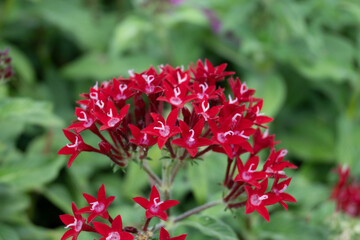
(278, 188)
(76, 224)
(263, 140)
(205, 111)
(86, 120)
(258, 199)
(274, 165)
(190, 138)
(76, 147)
(98, 206)
(176, 96)
(115, 232)
(141, 139)
(208, 73)
(164, 235)
(163, 130)
(248, 173)
(155, 207)
(111, 119)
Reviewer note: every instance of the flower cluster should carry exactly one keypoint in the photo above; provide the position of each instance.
(6, 70)
(128, 116)
(346, 193)
(76, 223)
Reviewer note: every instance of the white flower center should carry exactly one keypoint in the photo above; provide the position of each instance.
(97, 206)
(256, 200)
(113, 236)
(164, 130)
(75, 144)
(77, 225)
(155, 206)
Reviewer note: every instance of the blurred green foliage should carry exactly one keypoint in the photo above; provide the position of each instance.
(303, 58)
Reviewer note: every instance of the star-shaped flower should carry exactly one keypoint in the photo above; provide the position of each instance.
(141, 139)
(155, 207)
(163, 130)
(86, 120)
(190, 138)
(278, 188)
(258, 199)
(98, 206)
(248, 173)
(164, 235)
(111, 119)
(115, 232)
(76, 147)
(176, 96)
(76, 223)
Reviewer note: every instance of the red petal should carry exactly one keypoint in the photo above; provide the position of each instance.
(161, 142)
(168, 204)
(263, 212)
(154, 194)
(67, 219)
(102, 228)
(126, 236)
(101, 196)
(117, 224)
(89, 198)
(68, 234)
(72, 158)
(135, 131)
(181, 237)
(142, 202)
(164, 235)
(161, 215)
(171, 119)
(124, 111)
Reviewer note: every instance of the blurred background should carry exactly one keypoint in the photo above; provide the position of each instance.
(302, 56)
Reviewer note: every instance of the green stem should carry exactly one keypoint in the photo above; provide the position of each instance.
(151, 174)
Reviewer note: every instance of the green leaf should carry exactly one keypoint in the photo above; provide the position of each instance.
(211, 227)
(16, 112)
(31, 172)
(6, 233)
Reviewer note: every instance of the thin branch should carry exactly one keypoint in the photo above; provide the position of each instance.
(151, 174)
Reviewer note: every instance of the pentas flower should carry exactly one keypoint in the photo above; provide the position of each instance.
(274, 165)
(141, 139)
(190, 138)
(248, 173)
(76, 224)
(98, 206)
(254, 114)
(177, 96)
(225, 137)
(176, 77)
(258, 199)
(204, 109)
(110, 118)
(203, 90)
(120, 90)
(263, 140)
(115, 232)
(278, 188)
(148, 82)
(208, 73)
(240, 90)
(163, 130)
(76, 147)
(155, 207)
(86, 121)
(164, 235)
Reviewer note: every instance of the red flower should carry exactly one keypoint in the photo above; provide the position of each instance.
(98, 205)
(279, 188)
(141, 139)
(111, 119)
(208, 73)
(274, 164)
(76, 147)
(225, 137)
(263, 141)
(203, 90)
(258, 199)
(176, 96)
(204, 109)
(115, 232)
(163, 130)
(164, 235)
(190, 138)
(248, 173)
(155, 207)
(148, 81)
(86, 120)
(76, 223)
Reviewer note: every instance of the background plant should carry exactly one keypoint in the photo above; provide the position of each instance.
(301, 56)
